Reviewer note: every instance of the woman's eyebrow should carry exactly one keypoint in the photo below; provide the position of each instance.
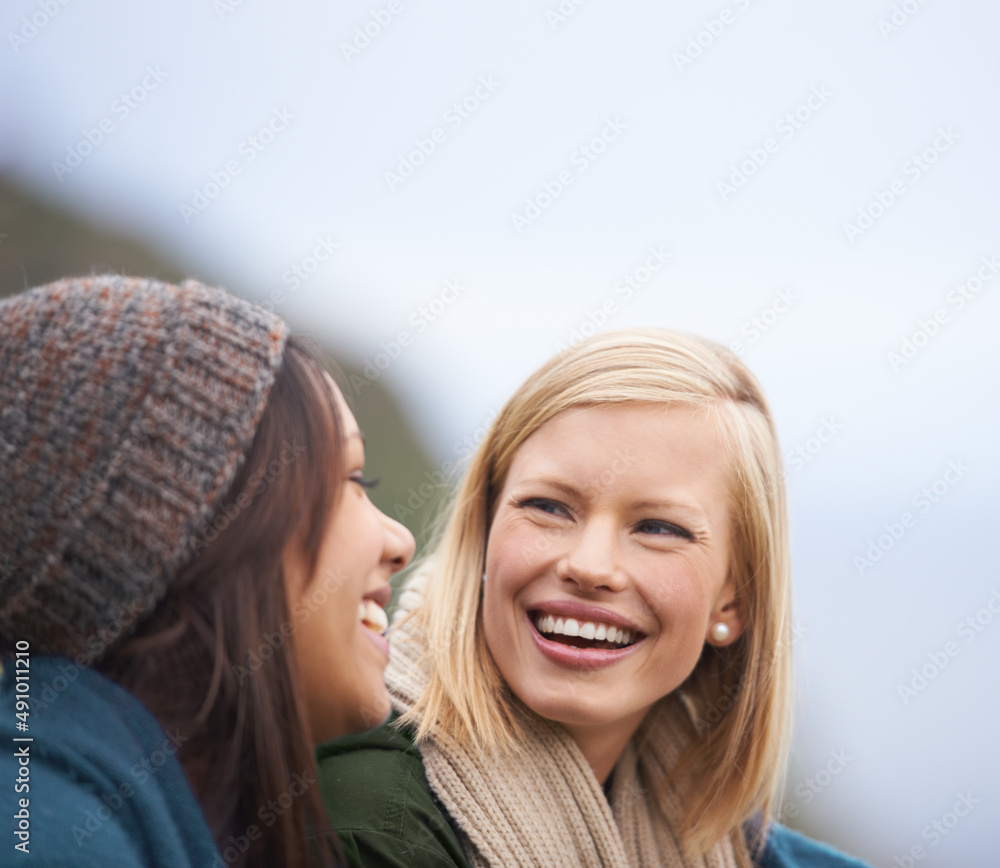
(681, 505)
(564, 487)
(570, 489)
(691, 509)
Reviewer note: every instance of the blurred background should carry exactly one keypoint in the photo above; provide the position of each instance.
(445, 194)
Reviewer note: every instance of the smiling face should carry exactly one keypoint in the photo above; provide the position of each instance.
(607, 562)
(338, 616)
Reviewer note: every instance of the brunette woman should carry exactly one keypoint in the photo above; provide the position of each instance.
(192, 578)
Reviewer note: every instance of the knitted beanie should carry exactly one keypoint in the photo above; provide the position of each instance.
(126, 408)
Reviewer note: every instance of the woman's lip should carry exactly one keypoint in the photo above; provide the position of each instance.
(377, 638)
(583, 612)
(579, 658)
(380, 595)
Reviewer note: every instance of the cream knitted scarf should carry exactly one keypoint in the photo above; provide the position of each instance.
(545, 808)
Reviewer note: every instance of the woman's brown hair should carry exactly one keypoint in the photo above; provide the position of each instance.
(215, 662)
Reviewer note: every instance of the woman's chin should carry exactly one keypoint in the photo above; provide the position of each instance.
(376, 709)
(578, 711)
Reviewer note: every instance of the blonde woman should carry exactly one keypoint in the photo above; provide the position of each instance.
(592, 667)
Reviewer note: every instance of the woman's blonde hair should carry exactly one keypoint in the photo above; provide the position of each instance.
(739, 696)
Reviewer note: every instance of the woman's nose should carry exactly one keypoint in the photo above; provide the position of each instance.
(592, 561)
(399, 543)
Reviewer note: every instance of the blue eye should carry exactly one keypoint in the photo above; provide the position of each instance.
(550, 507)
(663, 528)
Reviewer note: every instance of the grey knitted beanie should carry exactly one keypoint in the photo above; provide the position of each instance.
(126, 408)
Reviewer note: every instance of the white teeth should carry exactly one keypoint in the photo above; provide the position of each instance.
(585, 630)
(373, 616)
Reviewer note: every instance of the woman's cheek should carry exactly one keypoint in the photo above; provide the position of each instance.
(531, 545)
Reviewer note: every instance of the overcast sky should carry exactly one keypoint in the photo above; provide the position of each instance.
(464, 187)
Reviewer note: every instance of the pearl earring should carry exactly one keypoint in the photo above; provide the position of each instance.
(484, 575)
(720, 631)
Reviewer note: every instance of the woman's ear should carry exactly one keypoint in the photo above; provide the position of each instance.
(727, 620)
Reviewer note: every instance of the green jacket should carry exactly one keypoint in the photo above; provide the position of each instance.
(379, 801)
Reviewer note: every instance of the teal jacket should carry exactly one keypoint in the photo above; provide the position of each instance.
(379, 802)
(97, 780)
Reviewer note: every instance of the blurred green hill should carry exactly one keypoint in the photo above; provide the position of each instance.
(40, 242)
